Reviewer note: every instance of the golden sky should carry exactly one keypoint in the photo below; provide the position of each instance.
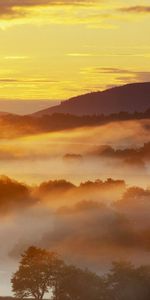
(52, 49)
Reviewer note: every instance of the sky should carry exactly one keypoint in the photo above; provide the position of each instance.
(53, 50)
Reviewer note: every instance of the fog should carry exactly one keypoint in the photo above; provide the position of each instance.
(90, 224)
(83, 193)
(67, 154)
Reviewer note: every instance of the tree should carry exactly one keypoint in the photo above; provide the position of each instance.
(127, 282)
(41, 271)
(76, 284)
(36, 273)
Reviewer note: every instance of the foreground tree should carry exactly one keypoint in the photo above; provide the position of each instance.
(41, 271)
(36, 273)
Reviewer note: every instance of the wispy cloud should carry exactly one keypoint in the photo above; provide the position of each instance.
(135, 9)
(128, 75)
(16, 57)
(29, 80)
(14, 8)
(92, 13)
(118, 75)
(80, 54)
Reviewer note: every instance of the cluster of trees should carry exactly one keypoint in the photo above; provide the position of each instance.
(41, 272)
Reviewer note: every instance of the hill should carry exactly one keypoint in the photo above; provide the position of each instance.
(129, 98)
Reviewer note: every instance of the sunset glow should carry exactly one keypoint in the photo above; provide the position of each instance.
(58, 49)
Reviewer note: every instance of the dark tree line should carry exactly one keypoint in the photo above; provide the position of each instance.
(41, 272)
(48, 123)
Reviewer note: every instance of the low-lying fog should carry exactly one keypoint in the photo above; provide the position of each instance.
(75, 155)
(89, 219)
(90, 225)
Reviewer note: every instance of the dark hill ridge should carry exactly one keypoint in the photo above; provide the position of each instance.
(129, 98)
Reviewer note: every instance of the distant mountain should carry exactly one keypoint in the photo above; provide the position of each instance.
(129, 98)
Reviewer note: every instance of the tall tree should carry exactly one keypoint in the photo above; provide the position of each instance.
(36, 273)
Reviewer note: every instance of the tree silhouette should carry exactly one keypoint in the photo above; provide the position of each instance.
(127, 282)
(76, 284)
(41, 271)
(36, 273)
